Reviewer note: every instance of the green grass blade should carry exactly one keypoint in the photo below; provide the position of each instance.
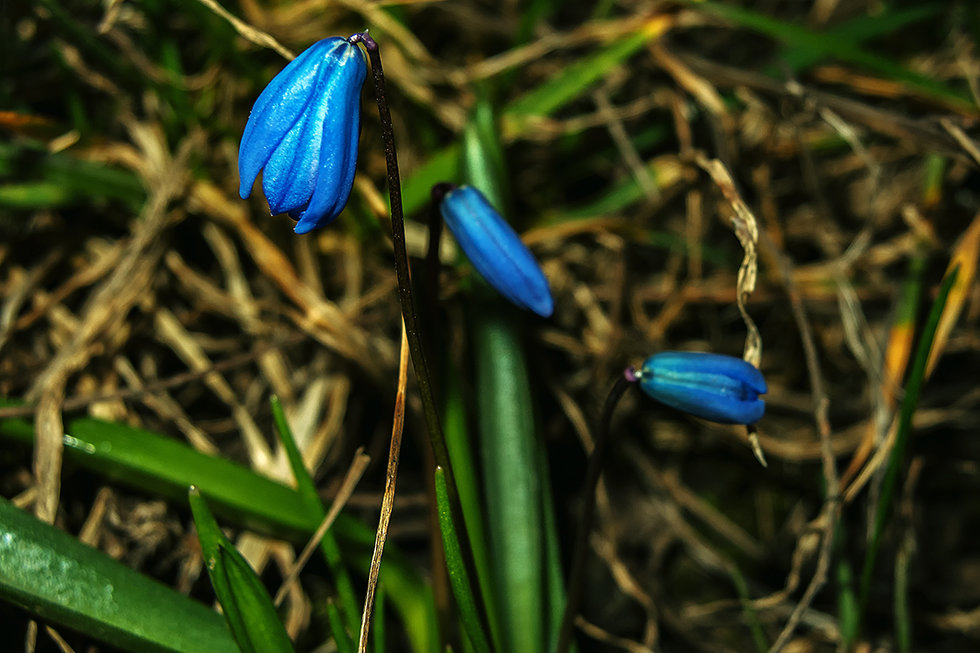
(848, 613)
(328, 545)
(167, 467)
(619, 196)
(934, 173)
(896, 459)
(533, 13)
(467, 483)
(483, 166)
(749, 613)
(441, 166)
(857, 30)
(34, 195)
(830, 46)
(304, 482)
(575, 79)
(483, 155)
(555, 595)
(337, 628)
(463, 586)
(53, 575)
(248, 608)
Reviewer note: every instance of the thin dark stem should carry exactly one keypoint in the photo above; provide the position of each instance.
(402, 271)
(407, 299)
(577, 574)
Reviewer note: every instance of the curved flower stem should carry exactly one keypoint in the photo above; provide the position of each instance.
(577, 573)
(406, 296)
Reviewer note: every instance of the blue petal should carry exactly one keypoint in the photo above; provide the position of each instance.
(289, 176)
(278, 109)
(337, 112)
(716, 387)
(495, 250)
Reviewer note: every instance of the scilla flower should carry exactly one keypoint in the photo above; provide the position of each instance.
(713, 386)
(302, 133)
(495, 250)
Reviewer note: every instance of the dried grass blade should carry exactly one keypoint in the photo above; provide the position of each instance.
(388, 501)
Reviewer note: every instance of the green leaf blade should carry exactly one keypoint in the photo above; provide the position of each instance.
(513, 491)
(248, 608)
(462, 584)
(328, 544)
(51, 574)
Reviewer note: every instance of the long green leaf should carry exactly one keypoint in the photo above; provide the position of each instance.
(527, 578)
(247, 606)
(167, 467)
(341, 637)
(328, 544)
(848, 615)
(462, 456)
(896, 459)
(50, 180)
(463, 586)
(513, 491)
(483, 155)
(902, 609)
(54, 576)
(555, 595)
(34, 195)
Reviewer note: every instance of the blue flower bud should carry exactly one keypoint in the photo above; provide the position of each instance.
(713, 386)
(302, 133)
(495, 250)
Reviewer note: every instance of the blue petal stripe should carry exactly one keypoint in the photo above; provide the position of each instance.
(337, 141)
(694, 363)
(279, 108)
(712, 386)
(290, 174)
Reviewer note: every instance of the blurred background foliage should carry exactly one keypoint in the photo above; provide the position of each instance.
(149, 314)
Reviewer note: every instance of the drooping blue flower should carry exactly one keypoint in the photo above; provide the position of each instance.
(302, 133)
(713, 386)
(496, 250)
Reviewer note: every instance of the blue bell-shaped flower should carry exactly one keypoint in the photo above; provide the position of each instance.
(495, 250)
(712, 386)
(302, 133)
